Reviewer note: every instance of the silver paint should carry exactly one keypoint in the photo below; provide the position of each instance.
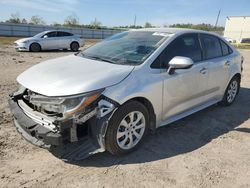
(172, 96)
(71, 75)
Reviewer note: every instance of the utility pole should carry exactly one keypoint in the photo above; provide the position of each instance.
(135, 21)
(218, 16)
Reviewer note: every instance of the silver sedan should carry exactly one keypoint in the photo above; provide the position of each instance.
(109, 96)
(50, 40)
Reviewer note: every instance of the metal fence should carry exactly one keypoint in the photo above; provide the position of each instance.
(26, 30)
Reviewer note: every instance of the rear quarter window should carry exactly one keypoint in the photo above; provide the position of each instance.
(226, 50)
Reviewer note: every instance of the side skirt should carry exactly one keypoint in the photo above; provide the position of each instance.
(187, 113)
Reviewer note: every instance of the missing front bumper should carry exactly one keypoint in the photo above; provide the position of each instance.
(58, 143)
(32, 131)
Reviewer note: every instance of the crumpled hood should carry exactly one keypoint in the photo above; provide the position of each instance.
(24, 39)
(72, 75)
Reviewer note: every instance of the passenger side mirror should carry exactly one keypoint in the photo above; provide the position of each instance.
(179, 62)
(45, 36)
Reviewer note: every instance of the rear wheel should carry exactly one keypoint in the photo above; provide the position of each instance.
(127, 128)
(231, 92)
(74, 46)
(35, 47)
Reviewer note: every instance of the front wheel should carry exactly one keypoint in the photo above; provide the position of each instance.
(74, 46)
(127, 128)
(231, 92)
(35, 47)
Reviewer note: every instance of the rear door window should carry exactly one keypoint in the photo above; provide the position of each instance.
(226, 50)
(212, 47)
(63, 34)
(68, 34)
(60, 34)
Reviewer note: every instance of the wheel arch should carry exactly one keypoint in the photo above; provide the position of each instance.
(35, 42)
(150, 108)
(74, 41)
(238, 76)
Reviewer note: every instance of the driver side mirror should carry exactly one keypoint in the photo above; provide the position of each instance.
(179, 62)
(45, 36)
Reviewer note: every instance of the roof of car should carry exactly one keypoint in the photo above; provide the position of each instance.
(56, 31)
(170, 30)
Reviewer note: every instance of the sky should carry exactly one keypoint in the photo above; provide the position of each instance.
(122, 12)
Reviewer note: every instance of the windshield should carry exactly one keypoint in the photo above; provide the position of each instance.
(39, 35)
(130, 47)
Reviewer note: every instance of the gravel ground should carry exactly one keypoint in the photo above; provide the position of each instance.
(208, 149)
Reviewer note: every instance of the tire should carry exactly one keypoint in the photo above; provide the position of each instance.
(74, 46)
(231, 92)
(120, 122)
(35, 47)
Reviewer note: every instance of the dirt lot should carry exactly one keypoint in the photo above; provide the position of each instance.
(208, 149)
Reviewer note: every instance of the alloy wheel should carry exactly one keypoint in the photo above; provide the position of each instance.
(232, 91)
(131, 130)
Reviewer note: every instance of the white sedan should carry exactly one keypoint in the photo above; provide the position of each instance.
(50, 40)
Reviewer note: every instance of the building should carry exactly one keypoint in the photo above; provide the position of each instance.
(237, 27)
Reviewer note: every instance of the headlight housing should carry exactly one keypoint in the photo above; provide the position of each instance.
(67, 106)
(26, 41)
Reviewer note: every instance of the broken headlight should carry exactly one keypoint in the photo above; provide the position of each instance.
(67, 106)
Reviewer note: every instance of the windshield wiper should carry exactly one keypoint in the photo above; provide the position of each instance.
(98, 58)
(103, 59)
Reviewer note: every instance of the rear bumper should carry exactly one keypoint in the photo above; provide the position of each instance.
(56, 142)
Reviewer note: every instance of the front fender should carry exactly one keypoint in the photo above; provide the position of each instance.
(136, 85)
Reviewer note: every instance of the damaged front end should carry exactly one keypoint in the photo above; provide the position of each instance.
(71, 128)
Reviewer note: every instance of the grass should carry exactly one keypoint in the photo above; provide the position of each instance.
(8, 40)
(242, 45)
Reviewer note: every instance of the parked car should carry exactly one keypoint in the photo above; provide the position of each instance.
(109, 96)
(245, 40)
(50, 40)
(230, 40)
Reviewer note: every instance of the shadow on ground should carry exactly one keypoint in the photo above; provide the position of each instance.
(185, 135)
(51, 51)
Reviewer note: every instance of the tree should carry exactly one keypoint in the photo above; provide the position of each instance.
(24, 21)
(56, 24)
(96, 24)
(203, 26)
(37, 20)
(71, 20)
(148, 25)
(14, 18)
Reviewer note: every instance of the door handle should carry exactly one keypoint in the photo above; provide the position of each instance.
(203, 71)
(227, 63)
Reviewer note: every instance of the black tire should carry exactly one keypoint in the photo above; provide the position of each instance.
(122, 112)
(74, 46)
(225, 101)
(35, 47)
